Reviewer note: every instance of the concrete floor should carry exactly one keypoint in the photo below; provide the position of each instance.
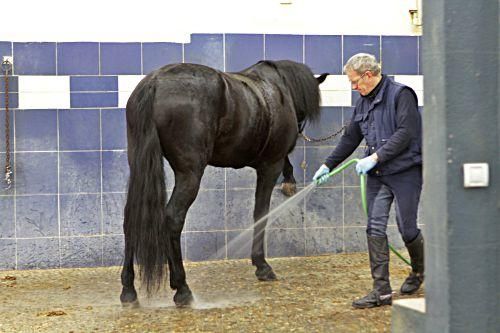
(313, 294)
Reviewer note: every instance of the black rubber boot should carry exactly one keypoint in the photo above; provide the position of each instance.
(416, 277)
(378, 250)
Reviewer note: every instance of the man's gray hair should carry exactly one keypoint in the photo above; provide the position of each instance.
(362, 62)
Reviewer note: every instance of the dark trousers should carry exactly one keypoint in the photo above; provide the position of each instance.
(404, 189)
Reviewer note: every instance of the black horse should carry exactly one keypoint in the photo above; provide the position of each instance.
(196, 116)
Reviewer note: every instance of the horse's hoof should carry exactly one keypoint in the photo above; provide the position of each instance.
(265, 274)
(128, 296)
(183, 297)
(288, 189)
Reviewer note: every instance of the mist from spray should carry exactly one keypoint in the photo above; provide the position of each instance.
(240, 246)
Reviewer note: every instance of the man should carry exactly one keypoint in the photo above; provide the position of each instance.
(387, 117)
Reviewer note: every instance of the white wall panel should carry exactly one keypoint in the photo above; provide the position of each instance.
(335, 82)
(335, 98)
(416, 82)
(174, 21)
(47, 83)
(127, 84)
(44, 92)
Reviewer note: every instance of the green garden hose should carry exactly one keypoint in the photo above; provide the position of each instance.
(362, 178)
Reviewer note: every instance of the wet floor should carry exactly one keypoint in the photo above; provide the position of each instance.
(312, 294)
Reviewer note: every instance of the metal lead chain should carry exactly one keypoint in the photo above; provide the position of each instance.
(6, 67)
(309, 139)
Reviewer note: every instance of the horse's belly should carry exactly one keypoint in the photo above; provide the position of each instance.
(252, 151)
(233, 158)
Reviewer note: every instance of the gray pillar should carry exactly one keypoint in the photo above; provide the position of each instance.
(461, 125)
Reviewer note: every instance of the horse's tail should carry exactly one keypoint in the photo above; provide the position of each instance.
(144, 220)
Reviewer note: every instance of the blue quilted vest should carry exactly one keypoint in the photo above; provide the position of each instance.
(377, 121)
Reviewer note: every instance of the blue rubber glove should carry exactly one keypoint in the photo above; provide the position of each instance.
(321, 175)
(365, 165)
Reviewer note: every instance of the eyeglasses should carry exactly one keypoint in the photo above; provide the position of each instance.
(355, 83)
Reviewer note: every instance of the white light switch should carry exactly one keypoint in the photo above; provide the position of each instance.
(476, 175)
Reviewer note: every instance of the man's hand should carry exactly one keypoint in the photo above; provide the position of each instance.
(366, 164)
(321, 175)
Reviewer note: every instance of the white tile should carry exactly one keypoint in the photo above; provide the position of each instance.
(123, 98)
(335, 82)
(414, 81)
(44, 92)
(29, 83)
(128, 82)
(335, 98)
(44, 100)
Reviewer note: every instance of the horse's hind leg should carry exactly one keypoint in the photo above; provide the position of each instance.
(288, 186)
(187, 184)
(266, 179)
(128, 295)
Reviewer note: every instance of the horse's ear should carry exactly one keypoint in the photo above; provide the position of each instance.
(322, 77)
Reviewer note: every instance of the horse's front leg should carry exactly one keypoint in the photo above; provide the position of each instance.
(186, 189)
(288, 186)
(128, 295)
(266, 179)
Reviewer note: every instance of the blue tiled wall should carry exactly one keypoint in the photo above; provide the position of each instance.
(77, 58)
(70, 165)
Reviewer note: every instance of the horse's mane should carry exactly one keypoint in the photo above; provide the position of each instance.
(303, 87)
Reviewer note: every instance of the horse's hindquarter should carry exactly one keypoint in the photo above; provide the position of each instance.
(257, 124)
(185, 111)
(202, 119)
(204, 115)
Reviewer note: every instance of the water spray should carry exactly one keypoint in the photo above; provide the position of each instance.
(273, 214)
(362, 179)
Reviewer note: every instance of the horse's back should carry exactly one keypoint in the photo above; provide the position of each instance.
(228, 118)
(260, 123)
